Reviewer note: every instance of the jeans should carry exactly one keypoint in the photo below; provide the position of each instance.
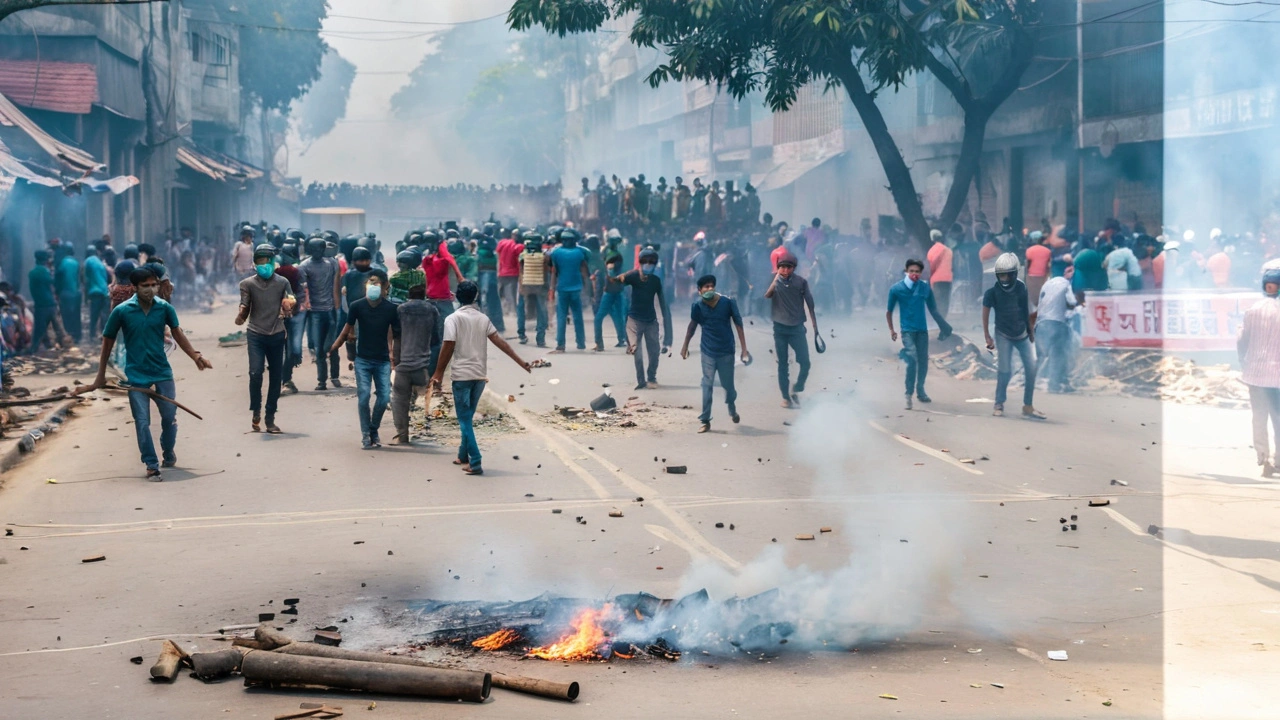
(268, 350)
(466, 397)
(43, 317)
(915, 353)
(638, 330)
(711, 365)
(444, 309)
(1265, 403)
(70, 305)
(611, 306)
(569, 301)
(403, 394)
(99, 308)
(372, 375)
(1004, 367)
(1053, 339)
(537, 298)
(295, 327)
(793, 337)
(490, 300)
(321, 325)
(140, 405)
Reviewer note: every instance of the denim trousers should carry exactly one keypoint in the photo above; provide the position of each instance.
(372, 375)
(915, 353)
(1053, 339)
(295, 327)
(265, 350)
(321, 325)
(569, 301)
(711, 366)
(794, 338)
(99, 308)
(490, 300)
(610, 306)
(538, 299)
(70, 306)
(1004, 367)
(140, 406)
(466, 398)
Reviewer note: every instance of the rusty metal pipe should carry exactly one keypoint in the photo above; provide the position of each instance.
(287, 669)
(534, 686)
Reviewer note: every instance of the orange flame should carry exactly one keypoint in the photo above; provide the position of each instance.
(585, 642)
(498, 640)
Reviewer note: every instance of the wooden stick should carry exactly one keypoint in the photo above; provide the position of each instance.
(152, 393)
(33, 400)
(171, 657)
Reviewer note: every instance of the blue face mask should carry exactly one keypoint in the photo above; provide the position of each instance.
(709, 295)
(265, 271)
(910, 283)
(374, 293)
(648, 268)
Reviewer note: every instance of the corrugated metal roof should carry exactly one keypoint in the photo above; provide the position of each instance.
(67, 87)
(17, 130)
(215, 165)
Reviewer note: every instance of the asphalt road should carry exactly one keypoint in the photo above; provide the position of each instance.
(930, 558)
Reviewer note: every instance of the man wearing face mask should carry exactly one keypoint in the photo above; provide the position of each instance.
(323, 297)
(143, 319)
(790, 296)
(914, 296)
(610, 303)
(1259, 349)
(718, 315)
(1015, 331)
(375, 324)
(642, 319)
(266, 299)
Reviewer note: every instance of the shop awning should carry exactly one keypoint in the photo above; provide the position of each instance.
(67, 87)
(788, 172)
(215, 165)
(29, 141)
(12, 169)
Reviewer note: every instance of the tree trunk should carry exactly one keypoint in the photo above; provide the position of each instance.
(901, 186)
(268, 157)
(975, 131)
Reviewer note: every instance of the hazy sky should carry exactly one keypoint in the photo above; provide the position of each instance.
(369, 145)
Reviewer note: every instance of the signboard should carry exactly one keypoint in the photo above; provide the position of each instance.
(1183, 321)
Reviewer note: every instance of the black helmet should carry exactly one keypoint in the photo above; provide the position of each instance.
(275, 236)
(408, 257)
(288, 254)
(316, 247)
(649, 254)
(569, 237)
(456, 246)
(346, 244)
(297, 236)
(248, 230)
(517, 235)
(361, 253)
(431, 238)
(330, 235)
(533, 240)
(476, 234)
(264, 250)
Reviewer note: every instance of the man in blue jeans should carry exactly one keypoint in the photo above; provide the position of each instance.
(322, 284)
(1015, 331)
(143, 319)
(568, 277)
(465, 351)
(718, 315)
(375, 323)
(790, 296)
(913, 297)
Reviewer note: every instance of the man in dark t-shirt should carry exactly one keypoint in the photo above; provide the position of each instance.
(1015, 332)
(719, 317)
(642, 319)
(374, 321)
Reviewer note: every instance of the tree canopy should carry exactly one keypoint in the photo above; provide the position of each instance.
(977, 49)
(318, 111)
(280, 47)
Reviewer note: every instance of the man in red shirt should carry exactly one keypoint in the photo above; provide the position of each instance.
(779, 249)
(940, 275)
(437, 264)
(508, 250)
(1039, 257)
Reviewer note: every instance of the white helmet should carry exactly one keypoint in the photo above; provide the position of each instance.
(1007, 263)
(1189, 235)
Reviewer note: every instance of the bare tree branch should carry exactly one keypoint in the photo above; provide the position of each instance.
(9, 7)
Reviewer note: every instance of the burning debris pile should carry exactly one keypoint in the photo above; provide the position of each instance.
(628, 627)
(68, 361)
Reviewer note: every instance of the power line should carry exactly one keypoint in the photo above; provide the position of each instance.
(419, 22)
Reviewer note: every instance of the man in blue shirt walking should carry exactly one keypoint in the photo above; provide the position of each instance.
(913, 296)
(96, 289)
(716, 314)
(569, 276)
(143, 318)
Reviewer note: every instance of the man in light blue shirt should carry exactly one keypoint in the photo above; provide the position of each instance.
(96, 289)
(569, 277)
(913, 297)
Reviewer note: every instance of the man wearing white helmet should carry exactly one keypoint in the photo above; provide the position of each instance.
(1015, 331)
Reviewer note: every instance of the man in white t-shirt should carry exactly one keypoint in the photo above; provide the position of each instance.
(465, 333)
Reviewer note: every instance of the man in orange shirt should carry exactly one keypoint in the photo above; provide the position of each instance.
(1039, 256)
(1219, 262)
(940, 275)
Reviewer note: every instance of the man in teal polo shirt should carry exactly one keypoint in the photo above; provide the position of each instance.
(143, 318)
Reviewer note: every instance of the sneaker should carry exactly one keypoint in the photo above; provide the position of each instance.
(257, 423)
(642, 386)
(557, 351)
(335, 382)
(171, 461)
(652, 384)
(924, 398)
(735, 417)
(796, 389)
(366, 443)
(795, 400)
(706, 427)
(909, 405)
(598, 348)
(153, 474)
(473, 470)
(998, 410)
(524, 341)
(621, 343)
(786, 404)
(321, 386)
(1030, 412)
(1268, 470)
(271, 426)
(290, 388)
(542, 345)
(373, 437)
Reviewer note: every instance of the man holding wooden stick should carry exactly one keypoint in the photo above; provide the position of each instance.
(143, 318)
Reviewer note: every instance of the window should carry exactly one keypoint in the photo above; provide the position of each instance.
(197, 49)
(221, 51)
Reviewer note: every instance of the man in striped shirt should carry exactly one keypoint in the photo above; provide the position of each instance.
(1259, 348)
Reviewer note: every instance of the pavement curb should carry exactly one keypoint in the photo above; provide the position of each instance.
(50, 421)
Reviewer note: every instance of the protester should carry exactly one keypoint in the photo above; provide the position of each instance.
(97, 284)
(266, 299)
(611, 303)
(532, 288)
(411, 356)
(940, 272)
(1259, 351)
(642, 319)
(509, 249)
(465, 351)
(439, 266)
(913, 297)
(790, 296)
(568, 265)
(1054, 333)
(716, 314)
(1015, 331)
(374, 322)
(44, 302)
(487, 268)
(1123, 271)
(409, 274)
(323, 288)
(241, 254)
(143, 319)
(66, 282)
(1039, 263)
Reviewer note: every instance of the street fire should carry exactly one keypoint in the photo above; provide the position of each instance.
(498, 640)
(584, 643)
